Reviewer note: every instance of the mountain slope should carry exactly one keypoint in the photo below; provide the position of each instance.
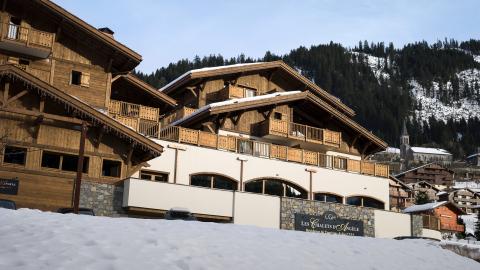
(434, 86)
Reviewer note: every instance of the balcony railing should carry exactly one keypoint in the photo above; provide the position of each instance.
(231, 91)
(27, 36)
(178, 114)
(272, 151)
(142, 119)
(300, 132)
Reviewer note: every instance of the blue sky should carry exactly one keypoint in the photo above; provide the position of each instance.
(167, 31)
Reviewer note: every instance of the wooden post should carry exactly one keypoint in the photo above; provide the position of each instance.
(242, 160)
(78, 179)
(310, 191)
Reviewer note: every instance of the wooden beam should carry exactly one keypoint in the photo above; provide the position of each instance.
(116, 78)
(131, 147)
(41, 106)
(192, 90)
(365, 148)
(17, 96)
(4, 5)
(208, 125)
(236, 117)
(354, 141)
(45, 115)
(101, 132)
(6, 89)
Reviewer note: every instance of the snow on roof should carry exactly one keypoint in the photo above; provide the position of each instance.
(441, 193)
(233, 101)
(427, 150)
(474, 155)
(205, 69)
(467, 184)
(423, 207)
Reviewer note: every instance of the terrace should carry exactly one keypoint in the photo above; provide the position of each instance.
(26, 40)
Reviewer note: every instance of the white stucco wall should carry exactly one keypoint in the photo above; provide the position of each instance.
(204, 160)
(256, 209)
(164, 196)
(392, 224)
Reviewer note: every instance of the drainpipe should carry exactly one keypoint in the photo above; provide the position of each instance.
(242, 160)
(175, 165)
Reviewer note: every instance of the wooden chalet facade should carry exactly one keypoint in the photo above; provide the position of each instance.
(401, 195)
(440, 216)
(56, 76)
(431, 173)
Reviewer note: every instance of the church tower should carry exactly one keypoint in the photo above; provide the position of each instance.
(404, 138)
(404, 148)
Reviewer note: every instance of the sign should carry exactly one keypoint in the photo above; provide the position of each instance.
(329, 222)
(9, 186)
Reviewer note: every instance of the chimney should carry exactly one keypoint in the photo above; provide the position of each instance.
(107, 31)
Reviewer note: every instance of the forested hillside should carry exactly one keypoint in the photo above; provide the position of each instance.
(436, 87)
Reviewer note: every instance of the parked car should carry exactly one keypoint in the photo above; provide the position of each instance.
(81, 211)
(178, 213)
(8, 204)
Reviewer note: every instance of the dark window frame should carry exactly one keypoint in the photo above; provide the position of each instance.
(62, 156)
(152, 175)
(112, 161)
(11, 154)
(212, 179)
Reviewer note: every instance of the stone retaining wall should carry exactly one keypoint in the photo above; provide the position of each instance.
(289, 207)
(104, 199)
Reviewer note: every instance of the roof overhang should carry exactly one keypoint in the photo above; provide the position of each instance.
(119, 48)
(306, 95)
(85, 110)
(193, 75)
(152, 91)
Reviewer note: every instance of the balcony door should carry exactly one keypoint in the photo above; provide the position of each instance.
(14, 30)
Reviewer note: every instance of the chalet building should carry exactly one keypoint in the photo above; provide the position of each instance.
(401, 195)
(259, 128)
(430, 190)
(442, 216)
(466, 199)
(431, 173)
(474, 159)
(58, 78)
(215, 140)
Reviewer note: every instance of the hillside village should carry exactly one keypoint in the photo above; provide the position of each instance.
(269, 143)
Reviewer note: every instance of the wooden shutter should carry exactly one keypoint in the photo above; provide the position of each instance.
(85, 79)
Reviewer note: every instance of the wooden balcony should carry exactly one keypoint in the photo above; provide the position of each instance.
(272, 151)
(178, 114)
(273, 127)
(142, 119)
(230, 92)
(26, 40)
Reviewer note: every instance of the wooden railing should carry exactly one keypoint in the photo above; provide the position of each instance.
(452, 227)
(273, 151)
(27, 36)
(231, 91)
(176, 115)
(300, 132)
(142, 119)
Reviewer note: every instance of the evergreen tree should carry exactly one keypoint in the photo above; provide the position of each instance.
(421, 198)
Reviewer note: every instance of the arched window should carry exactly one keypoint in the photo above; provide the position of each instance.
(275, 187)
(213, 181)
(327, 197)
(366, 202)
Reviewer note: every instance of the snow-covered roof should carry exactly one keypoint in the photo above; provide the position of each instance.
(423, 207)
(474, 155)
(441, 193)
(427, 150)
(205, 69)
(392, 150)
(468, 184)
(233, 101)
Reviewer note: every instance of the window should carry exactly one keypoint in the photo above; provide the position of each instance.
(80, 78)
(277, 116)
(111, 168)
(275, 187)
(15, 155)
(245, 147)
(154, 176)
(366, 202)
(14, 30)
(63, 162)
(213, 181)
(327, 197)
(250, 92)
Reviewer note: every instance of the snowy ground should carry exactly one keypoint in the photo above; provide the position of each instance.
(32, 239)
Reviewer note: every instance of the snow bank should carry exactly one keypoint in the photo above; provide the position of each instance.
(37, 240)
